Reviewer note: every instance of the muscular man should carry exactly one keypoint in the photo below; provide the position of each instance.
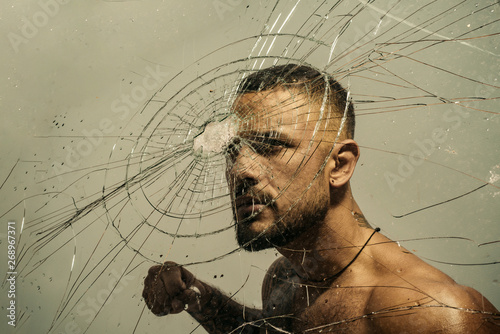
(289, 168)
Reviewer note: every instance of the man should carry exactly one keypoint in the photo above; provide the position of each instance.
(289, 168)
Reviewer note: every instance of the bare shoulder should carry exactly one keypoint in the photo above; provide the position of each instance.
(280, 272)
(278, 291)
(428, 304)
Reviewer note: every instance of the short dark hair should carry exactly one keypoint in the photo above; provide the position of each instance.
(300, 76)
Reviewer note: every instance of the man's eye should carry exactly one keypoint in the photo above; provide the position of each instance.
(268, 146)
(232, 150)
(264, 146)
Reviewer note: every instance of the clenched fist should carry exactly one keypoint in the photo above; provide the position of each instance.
(171, 289)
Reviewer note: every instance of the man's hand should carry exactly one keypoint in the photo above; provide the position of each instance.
(170, 289)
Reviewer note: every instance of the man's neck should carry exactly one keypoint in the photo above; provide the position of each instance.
(324, 252)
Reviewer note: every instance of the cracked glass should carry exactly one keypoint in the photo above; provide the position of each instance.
(128, 141)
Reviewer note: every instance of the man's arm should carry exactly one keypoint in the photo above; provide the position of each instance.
(221, 314)
(170, 289)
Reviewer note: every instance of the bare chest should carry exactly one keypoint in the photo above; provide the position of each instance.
(330, 309)
(305, 308)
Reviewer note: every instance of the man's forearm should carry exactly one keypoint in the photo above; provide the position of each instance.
(221, 314)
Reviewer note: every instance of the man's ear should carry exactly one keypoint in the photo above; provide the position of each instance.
(342, 162)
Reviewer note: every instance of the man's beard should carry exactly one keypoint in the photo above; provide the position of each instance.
(306, 213)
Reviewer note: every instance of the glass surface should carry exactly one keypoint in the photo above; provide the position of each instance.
(106, 104)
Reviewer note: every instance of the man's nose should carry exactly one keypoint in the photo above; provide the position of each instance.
(244, 165)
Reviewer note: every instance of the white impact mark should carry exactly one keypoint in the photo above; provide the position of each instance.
(214, 137)
(494, 177)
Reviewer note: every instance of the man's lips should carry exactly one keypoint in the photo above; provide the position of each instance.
(248, 205)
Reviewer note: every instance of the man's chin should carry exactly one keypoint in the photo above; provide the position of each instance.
(249, 240)
(255, 245)
(253, 241)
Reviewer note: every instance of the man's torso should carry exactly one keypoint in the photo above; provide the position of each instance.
(296, 306)
(414, 299)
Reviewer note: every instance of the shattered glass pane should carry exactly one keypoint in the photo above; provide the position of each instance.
(124, 123)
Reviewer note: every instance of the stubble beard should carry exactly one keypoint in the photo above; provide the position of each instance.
(287, 227)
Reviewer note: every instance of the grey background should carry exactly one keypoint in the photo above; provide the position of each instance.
(75, 67)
